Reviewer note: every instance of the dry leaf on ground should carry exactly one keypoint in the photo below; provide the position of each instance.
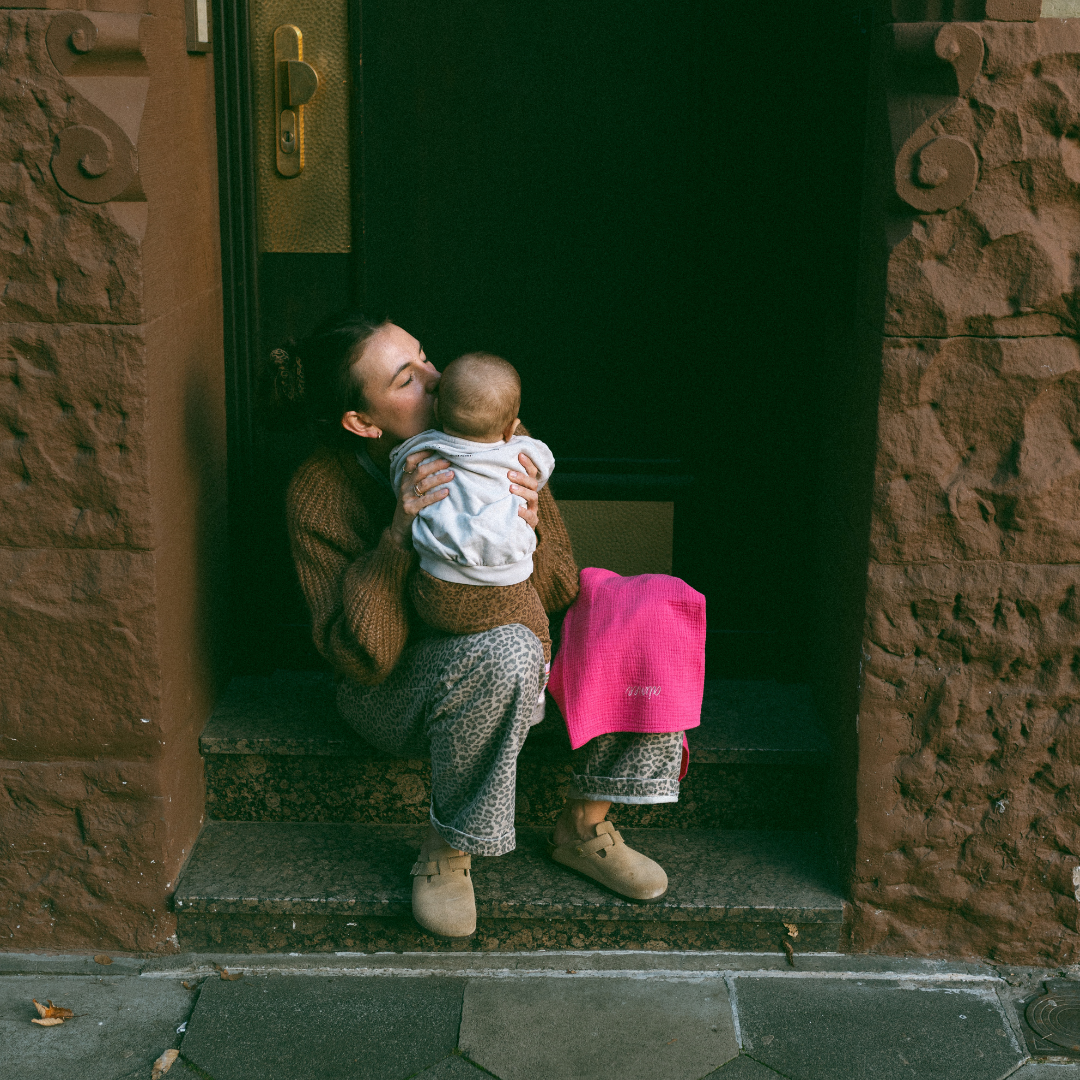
(232, 978)
(792, 929)
(186, 985)
(164, 1064)
(51, 1011)
(102, 958)
(49, 1021)
(790, 951)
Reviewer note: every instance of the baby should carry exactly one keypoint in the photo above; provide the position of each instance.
(475, 551)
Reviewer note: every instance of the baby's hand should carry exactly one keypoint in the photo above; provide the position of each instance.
(525, 484)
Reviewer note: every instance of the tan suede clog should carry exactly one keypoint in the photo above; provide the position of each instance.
(607, 859)
(443, 901)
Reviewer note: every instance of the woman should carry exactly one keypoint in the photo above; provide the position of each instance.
(467, 701)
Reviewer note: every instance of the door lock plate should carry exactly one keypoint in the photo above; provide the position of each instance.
(295, 84)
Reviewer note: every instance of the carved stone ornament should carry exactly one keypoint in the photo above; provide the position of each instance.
(99, 54)
(935, 64)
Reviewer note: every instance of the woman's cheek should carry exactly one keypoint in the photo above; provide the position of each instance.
(427, 411)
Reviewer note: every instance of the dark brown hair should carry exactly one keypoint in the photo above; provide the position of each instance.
(316, 381)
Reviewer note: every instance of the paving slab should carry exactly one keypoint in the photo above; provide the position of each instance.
(1047, 1071)
(597, 1029)
(180, 1070)
(285, 1027)
(69, 964)
(121, 1026)
(828, 1029)
(744, 1068)
(453, 1068)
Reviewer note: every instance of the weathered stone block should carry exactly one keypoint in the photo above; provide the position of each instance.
(61, 260)
(968, 770)
(108, 648)
(978, 451)
(1013, 10)
(73, 461)
(969, 822)
(81, 673)
(1003, 262)
(83, 861)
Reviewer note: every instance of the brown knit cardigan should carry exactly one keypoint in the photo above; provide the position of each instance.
(353, 574)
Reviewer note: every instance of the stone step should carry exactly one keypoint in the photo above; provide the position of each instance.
(276, 750)
(306, 887)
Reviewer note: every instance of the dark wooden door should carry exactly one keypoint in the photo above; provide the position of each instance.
(637, 203)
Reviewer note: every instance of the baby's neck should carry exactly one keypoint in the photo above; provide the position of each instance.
(492, 438)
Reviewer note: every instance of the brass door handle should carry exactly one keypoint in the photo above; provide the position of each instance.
(295, 83)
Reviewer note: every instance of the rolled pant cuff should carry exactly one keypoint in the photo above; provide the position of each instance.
(630, 790)
(474, 845)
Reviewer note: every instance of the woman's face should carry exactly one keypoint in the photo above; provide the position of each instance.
(399, 385)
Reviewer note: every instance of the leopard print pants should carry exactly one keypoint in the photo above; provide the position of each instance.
(623, 767)
(469, 702)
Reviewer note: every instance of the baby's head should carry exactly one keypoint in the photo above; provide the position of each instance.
(478, 398)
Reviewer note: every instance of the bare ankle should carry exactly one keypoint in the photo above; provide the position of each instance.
(435, 842)
(579, 819)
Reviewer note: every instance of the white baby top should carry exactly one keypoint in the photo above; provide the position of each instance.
(474, 535)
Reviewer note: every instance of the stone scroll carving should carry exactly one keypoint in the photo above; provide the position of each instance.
(934, 65)
(100, 56)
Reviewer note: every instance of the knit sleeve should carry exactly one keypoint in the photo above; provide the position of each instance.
(356, 592)
(555, 574)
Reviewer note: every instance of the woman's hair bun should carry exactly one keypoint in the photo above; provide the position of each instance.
(288, 374)
(320, 388)
(283, 404)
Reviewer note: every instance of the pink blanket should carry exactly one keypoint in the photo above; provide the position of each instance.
(632, 656)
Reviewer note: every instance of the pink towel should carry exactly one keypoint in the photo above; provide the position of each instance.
(632, 657)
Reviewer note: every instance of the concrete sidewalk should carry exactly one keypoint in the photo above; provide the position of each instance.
(522, 1016)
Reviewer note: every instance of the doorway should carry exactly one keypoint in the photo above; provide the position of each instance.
(650, 208)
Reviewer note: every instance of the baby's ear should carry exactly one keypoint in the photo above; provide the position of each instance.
(508, 433)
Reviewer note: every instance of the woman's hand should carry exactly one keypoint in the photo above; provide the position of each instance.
(525, 484)
(422, 483)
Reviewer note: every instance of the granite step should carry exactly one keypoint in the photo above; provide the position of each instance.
(307, 887)
(275, 749)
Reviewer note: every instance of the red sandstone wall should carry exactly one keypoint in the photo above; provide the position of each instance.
(111, 499)
(186, 413)
(969, 695)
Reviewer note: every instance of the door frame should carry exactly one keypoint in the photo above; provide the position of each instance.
(243, 348)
